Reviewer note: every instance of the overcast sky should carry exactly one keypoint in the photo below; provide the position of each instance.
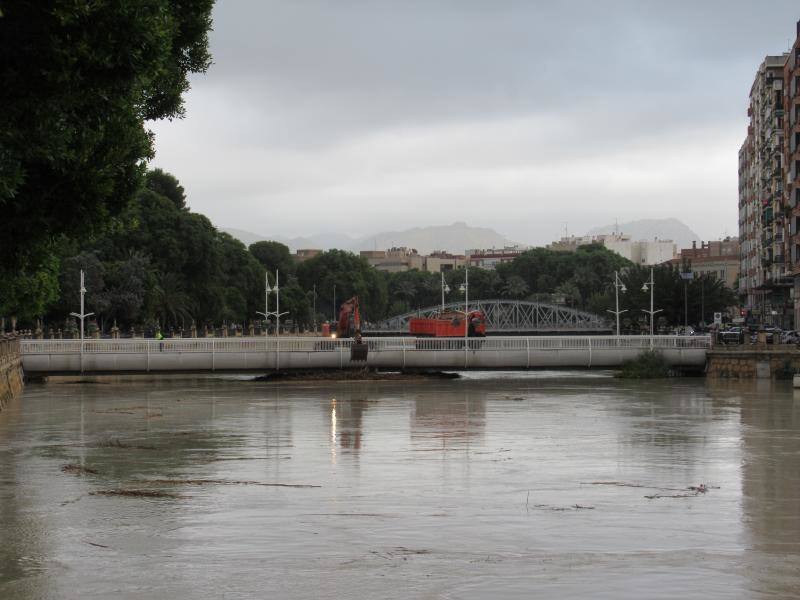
(357, 117)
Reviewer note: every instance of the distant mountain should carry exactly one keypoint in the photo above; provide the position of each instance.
(647, 229)
(453, 238)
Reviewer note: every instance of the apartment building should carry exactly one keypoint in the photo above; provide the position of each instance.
(765, 279)
(718, 259)
(791, 141)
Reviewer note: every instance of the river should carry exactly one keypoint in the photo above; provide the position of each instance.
(496, 485)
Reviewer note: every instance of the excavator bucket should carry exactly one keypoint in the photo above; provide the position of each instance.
(358, 351)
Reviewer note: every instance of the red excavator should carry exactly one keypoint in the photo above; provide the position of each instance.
(349, 325)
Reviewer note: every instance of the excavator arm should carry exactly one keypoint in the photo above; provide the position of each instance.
(349, 325)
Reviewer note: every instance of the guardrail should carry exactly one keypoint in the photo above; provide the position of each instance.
(240, 345)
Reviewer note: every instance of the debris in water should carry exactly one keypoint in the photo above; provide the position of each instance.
(74, 469)
(223, 482)
(116, 443)
(133, 493)
(95, 544)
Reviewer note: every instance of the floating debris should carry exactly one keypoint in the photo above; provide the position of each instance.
(74, 469)
(223, 482)
(134, 493)
(116, 443)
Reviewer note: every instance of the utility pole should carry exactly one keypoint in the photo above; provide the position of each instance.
(315, 308)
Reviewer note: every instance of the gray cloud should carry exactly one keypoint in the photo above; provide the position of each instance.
(360, 116)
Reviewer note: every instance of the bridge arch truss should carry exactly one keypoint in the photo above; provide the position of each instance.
(508, 317)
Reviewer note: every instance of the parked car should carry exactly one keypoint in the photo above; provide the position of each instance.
(688, 330)
(734, 335)
(790, 337)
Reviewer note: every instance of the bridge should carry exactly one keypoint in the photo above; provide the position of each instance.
(510, 317)
(254, 354)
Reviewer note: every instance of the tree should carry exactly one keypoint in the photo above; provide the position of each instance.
(514, 287)
(351, 275)
(273, 255)
(78, 81)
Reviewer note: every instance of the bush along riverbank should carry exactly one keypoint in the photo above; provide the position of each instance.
(648, 365)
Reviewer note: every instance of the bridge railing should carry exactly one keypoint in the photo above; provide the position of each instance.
(288, 344)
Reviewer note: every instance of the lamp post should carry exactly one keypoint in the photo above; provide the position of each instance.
(650, 285)
(686, 276)
(334, 303)
(82, 315)
(266, 314)
(315, 308)
(277, 313)
(618, 286)
(445, 289)
(464, 287)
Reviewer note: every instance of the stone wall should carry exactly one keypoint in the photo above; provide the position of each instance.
(756, 361)
(10, 370)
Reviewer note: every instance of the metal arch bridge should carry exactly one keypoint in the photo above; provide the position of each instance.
(508, 317)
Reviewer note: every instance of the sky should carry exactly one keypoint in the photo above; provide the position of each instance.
(355, 117)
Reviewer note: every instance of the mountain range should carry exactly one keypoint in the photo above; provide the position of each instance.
(455, 238)
(459, 236)
(648, 229)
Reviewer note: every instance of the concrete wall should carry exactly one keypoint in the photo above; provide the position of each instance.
(10, 370)
(754, 362)
(44, 357)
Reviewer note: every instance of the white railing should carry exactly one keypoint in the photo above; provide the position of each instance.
(288, 344)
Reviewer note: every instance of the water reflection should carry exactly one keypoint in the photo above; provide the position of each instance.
(419, 489)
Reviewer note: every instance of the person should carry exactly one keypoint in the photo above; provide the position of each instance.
(160, 338)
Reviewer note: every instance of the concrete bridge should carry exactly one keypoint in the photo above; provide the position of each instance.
(254, 354)
(508, 317)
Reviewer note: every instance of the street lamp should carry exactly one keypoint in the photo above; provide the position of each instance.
(277, 313)
(464, 287)
(82, 315)
(445, 289)
(686, 276)
(650, 285)
(618, 287)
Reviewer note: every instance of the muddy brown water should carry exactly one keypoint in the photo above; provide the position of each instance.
(541, 485)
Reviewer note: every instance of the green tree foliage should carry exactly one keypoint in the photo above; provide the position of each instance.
(272, 256)
(78, 81)
(159, 263)
(705, 294)
(585, 272)
(351, 275)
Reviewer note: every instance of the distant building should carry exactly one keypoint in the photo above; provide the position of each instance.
(395, 260)
(641, 252)
(306, 253)
(439, 261)
(717, 259)
(490, 258)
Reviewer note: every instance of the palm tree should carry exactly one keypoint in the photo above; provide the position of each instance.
(171, 304)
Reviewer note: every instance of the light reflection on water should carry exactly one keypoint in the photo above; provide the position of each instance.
(501, 485)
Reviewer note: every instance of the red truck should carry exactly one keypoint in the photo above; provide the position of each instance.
(449, 324)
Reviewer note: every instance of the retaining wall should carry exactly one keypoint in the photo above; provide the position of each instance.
(756, 361)
(10, 370)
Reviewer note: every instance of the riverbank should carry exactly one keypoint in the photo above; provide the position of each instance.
(10, 370)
